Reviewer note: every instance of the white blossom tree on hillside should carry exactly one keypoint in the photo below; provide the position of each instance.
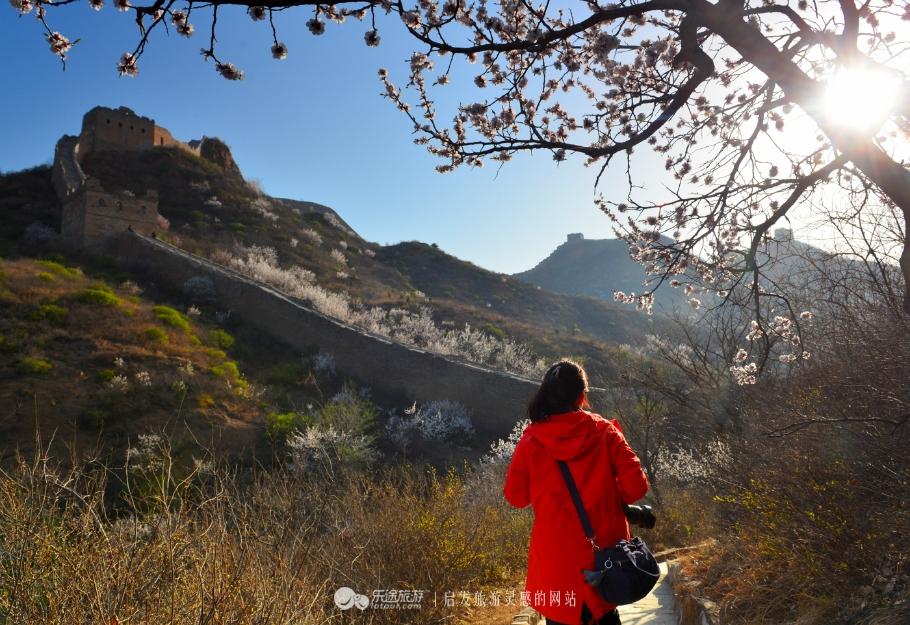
(761, 109)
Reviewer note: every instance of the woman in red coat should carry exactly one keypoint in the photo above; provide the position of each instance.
(608, 475)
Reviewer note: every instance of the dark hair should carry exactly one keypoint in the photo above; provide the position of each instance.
(563, 382)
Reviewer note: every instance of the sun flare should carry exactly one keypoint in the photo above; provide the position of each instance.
(861, 99)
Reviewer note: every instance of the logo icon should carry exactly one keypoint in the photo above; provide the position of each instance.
(346, 598)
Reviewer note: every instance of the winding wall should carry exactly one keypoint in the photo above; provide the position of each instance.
(394, 371)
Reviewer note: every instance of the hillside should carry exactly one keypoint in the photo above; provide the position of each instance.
(85, 358)
(450, 281)
(215, 213)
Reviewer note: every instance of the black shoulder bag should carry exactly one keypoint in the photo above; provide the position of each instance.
(624, 573)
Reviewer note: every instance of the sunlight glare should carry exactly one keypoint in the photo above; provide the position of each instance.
(861, 99)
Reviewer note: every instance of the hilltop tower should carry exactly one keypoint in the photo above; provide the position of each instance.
(91, 213)
(122, 129)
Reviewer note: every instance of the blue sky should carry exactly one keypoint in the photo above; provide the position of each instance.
(311, 127)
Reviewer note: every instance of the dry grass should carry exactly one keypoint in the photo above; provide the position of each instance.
(185, 543)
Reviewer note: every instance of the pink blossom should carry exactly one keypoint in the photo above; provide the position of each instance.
(316, 26)
(279, 51)
(23, 6)
(371, 37)
(60, 45)
(411, 19)
(127, 65)
(229, 71)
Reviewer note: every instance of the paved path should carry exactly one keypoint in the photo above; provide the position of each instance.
(655, 609)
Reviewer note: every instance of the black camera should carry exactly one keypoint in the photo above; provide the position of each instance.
(641, 516)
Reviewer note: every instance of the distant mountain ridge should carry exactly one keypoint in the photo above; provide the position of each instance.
(596, 268)
(599, 267)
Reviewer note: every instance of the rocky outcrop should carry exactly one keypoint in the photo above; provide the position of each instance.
(216, 151)
(67, 176)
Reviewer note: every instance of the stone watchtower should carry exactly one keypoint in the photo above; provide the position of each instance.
(91, 213)
(575, 237)
(95, 214)
(115, 129)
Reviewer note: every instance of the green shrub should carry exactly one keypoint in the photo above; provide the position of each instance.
(280, 425)
(156, 335)
(171, 317)
(285, 374)
(50, 312)
(220, 338)
(46, 276)
(228, 369)
(100, 295)
(33, 366)
(215, 353)
(349, 411)
(101, 286)
(60, 269)
(93, 418)
(107, 375)
(495, 331)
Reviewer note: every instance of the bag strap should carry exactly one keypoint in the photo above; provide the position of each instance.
(579, 506)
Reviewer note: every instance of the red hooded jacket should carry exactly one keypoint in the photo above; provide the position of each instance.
(607, 473)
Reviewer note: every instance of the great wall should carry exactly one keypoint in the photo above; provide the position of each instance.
(114, 222)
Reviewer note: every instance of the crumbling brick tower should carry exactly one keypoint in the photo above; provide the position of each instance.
(91, 213)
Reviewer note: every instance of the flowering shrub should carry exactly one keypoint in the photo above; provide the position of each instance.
(263, 206)
(501, 451)
(324, 362)
(339, 257)
(438, 421)
(314, 237)
(318, 444)
(144, 378)
(689, 465)
(119, 383)
(415, 329)
(199, 289)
